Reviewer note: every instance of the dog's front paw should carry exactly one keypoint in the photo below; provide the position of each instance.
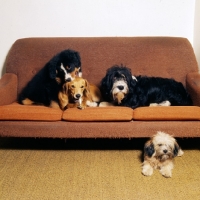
(147, 170)
(166, 173)
(91, 104)
(80, 107)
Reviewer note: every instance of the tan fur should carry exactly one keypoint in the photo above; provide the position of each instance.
(27, 102)
(54, 104)
(90, 94)
(163, 156)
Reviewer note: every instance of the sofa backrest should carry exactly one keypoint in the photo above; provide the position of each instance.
(169, 57)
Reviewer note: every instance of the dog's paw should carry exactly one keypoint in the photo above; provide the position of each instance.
(91, 104)
(180, 152)
(147, 170)
(81, 107)
(166, 173)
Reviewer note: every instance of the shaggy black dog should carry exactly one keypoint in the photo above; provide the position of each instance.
(44, 87)
(121, 88)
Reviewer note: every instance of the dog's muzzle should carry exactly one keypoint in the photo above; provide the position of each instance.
(119, 90)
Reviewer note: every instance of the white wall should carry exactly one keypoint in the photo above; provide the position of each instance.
(196, 41)
(49, 18)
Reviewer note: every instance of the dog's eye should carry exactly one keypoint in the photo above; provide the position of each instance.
(82, 86)
(68, 67)
(72, 86)
(159, 145)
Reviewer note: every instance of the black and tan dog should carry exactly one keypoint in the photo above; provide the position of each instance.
(78, 93)
(44, 87)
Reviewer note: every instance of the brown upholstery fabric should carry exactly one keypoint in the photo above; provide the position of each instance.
(171, 113)
(169, 57)
(193, 87)
(98, 114)
(8, 89)
(65, 129)
(16, 111)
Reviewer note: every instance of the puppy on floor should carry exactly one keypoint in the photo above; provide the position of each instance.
(44, 87)
(78, 93)
(159, 153)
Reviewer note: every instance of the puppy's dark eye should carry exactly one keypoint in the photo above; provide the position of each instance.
(68, 67)
(82, 86)
(72, 86)
(159, 145)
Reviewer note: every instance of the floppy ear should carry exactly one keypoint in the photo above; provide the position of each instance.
(65, 88)
(87, 89)
(106, 86)
(149, 148)
(52, 66)
(176, 149)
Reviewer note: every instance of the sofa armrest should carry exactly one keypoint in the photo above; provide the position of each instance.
(193, 87)
(8, 89)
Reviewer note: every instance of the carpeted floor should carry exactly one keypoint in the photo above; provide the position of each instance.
(89, 169)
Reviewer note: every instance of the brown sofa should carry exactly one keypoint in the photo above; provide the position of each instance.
(169, 57)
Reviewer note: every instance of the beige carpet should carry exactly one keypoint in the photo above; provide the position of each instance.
(41, 169)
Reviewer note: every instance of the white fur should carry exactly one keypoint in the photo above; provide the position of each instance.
(164, 103)
(91, 104)
(115, 88)
(67, 75)
(163, 155)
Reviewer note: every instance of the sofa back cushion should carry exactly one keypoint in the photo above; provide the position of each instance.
(169, 57)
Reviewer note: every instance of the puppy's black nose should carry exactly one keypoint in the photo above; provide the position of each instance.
(68, 80)
(78, 96)
(165, 151)
(120, 87)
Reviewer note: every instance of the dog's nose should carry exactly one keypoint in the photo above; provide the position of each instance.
(78, 96)
(120, 87)
(68, 79)
(165, 151)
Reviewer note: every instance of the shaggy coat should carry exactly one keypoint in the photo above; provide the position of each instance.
(140, 91)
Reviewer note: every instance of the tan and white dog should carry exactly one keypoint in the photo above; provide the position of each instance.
(78, 93)
(159, 153)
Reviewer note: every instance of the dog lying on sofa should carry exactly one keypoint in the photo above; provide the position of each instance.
(120, 87)
(78, 93)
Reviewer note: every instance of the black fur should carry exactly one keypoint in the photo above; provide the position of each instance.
(176, 149)
(44, 86)
(145, 90)
(149, 150)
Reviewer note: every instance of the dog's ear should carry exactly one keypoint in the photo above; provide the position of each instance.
(106, 86)
(149, 148)
(176, 149)
(53, 65)
(65, 88)
(87, 89)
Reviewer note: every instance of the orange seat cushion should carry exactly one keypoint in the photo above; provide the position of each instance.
(174, 113)
(98, 114)
(17, 111)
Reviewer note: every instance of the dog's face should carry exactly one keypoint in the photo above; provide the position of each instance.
(116, 84)
(119, 88)
(65, 66)
(70, 72)
(161, 146)
(76, 89)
